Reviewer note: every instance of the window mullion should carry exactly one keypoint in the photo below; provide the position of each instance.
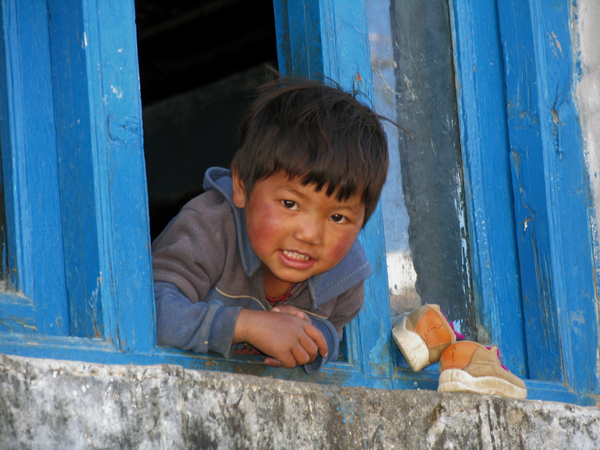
(119, 171)
(488, 184)
(530, 193)
(314, 39)
(76, 178)
(570, 264)
(36, 260)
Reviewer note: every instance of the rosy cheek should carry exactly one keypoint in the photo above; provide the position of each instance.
(343, 245)
(262, 227)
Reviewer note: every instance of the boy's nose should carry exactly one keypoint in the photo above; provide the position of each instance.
(309, 230)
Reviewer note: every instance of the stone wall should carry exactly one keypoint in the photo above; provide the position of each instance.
(48, 404)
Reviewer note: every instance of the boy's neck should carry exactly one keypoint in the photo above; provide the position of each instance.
(274, 287)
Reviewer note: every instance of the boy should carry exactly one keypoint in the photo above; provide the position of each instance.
(267, 258)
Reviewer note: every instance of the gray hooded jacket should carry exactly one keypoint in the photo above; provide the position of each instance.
(205, 271)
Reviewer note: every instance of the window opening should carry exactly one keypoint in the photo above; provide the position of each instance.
(199, 63)
(194, 94)
(423, 200)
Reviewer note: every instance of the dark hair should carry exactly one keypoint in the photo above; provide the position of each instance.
(315, 132)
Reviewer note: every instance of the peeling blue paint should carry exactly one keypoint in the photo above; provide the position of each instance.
(528, 201)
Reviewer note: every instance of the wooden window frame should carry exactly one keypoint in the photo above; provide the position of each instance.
(77, 213)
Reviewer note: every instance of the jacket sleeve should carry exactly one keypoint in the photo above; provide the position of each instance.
(192, 250)
(331, 337)
(188, 258)
(200, 327)
(341, 311)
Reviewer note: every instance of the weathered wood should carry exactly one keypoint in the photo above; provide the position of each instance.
(30, 175)
(58, 171)
(488, 186)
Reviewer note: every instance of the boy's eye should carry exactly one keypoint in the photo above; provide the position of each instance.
(289, 204)
(338, 218)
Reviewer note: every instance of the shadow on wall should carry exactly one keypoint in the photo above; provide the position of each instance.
(187, 134)
(199, 63)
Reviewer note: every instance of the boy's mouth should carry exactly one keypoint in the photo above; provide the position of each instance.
(294, 255)
(295, 260)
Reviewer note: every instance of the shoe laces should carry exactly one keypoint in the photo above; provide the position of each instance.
(459, 337)
(499, 359)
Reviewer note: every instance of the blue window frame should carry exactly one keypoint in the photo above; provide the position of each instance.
(73, 173)
(78, 268)
(523, 159)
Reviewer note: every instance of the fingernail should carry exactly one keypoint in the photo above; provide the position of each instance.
(276, 310)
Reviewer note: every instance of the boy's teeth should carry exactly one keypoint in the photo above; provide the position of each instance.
(295, 255)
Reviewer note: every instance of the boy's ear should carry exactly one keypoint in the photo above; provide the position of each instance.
(239, 190)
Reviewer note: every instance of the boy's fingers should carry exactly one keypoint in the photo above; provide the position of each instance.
(287, 360)
(293, 311)
(301, 355)
(318, 339)
(302, 315)
(283, 362)
(273, 362)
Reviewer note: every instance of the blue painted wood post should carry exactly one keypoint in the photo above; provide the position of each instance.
(75, 162)
(543, 161)
(488, 183)
(299, 48)
(37, 297)
(529, 187)
(104, 215)
(120, 174)
(329, 38)
(74, 171)
(569, 265)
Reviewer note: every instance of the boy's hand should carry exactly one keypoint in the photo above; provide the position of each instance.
(293, 311)
(286, 338)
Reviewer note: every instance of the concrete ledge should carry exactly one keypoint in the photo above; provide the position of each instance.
(70, 405)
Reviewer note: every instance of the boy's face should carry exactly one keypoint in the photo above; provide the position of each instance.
(296, 231)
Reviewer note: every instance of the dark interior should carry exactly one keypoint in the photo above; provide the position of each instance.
(187, 44)
(200, 61)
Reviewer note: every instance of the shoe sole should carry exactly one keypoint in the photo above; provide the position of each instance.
(413, 347)
(456, 380)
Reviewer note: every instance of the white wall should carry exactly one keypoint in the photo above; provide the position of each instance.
(586, 17)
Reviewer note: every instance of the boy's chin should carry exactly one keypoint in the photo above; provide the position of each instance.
(293, 279)
(287, 276)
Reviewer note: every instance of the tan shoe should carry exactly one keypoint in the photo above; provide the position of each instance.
(422, 336)
(470, 367)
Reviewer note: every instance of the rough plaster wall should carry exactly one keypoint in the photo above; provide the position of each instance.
(587, 35)
(49, 404)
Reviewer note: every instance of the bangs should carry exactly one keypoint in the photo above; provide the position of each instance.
(319, 135)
